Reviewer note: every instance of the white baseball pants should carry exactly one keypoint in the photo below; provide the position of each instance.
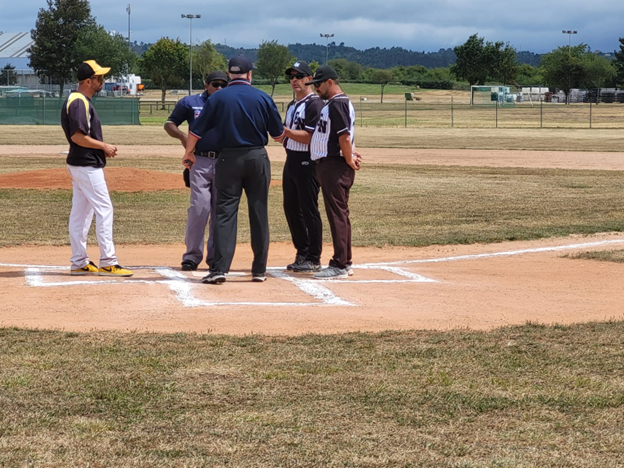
(90, 196)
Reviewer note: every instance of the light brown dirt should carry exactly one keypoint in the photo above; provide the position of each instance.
(478, 292)
(443, 157)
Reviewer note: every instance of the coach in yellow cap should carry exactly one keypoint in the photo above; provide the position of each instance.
(85, 162)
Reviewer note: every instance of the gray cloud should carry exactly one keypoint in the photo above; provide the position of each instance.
(416, 25)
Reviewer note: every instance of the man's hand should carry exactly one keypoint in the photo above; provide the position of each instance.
(110, 151)
(188, 160)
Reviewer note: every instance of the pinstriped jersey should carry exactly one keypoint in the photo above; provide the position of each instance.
(302, 115)
(337, 117)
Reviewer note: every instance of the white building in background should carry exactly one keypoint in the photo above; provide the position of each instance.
(13, 51)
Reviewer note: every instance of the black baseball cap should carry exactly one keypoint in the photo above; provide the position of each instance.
(216, 75)
(323, 73)
(300, 67)
(89, 69)
(240, 65)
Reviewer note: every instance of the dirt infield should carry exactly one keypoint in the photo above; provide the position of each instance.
(474, 286)
(443, 157)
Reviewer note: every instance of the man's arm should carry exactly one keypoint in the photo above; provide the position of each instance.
(174, 132)
(87, 142)
(189, 155)
(351, 158)
(302, 136)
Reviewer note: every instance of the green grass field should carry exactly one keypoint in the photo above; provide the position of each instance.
(516, 397)
(528, 396)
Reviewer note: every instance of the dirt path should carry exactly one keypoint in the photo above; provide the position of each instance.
(475, 286)
(444, 157)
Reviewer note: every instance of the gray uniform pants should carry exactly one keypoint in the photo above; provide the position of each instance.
(238, 169)
(203, 208)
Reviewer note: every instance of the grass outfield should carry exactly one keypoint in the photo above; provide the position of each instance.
(528, 396)
(390, 205)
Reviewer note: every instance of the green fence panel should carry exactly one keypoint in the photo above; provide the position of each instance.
(27, 110)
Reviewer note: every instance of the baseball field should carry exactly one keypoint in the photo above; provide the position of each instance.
(482, 327)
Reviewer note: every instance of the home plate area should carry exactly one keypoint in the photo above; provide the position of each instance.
(299, 290)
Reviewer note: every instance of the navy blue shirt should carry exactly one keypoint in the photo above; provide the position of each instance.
(187, 110)
(241, 115)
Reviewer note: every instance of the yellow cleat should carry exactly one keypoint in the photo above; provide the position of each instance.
(89, 269)
(115, 270)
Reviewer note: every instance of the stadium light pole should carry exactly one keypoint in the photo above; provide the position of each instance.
(569, 32)
(191, 17)
(128, 10)
(327, 36)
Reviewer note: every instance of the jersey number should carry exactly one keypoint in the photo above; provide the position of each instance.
(322, 126)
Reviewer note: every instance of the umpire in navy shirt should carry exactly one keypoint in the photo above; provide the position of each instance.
(242, 117)
(201, 177)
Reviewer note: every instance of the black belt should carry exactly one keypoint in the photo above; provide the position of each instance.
(208, 154)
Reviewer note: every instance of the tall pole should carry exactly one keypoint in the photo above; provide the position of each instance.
(569, 32)
(128, 10)
(327, 36)
(190, 17)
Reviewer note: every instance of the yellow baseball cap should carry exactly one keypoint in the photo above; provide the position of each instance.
(90, 68)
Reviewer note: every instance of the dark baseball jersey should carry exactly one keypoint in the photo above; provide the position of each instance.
(78, 114)
(188, 109)
(337, 117)
(302, 115)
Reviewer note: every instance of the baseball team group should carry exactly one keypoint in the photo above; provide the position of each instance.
(225, 153)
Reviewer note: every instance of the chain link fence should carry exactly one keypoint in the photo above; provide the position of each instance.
(25, 109)
(462, 115)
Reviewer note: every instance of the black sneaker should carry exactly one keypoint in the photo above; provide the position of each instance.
(298, 261)
(189, 265)
(214, 277)
(258, 277)
(307, 267)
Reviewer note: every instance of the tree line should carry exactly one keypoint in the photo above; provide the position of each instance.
(66, 34)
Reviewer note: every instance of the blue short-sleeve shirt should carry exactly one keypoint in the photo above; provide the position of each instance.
(241, 115)
(187, 110)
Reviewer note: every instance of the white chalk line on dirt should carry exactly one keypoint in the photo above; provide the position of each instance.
(494, 254)
(183, 289)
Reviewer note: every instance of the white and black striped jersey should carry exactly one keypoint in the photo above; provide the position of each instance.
(337, 117)
(302, 115)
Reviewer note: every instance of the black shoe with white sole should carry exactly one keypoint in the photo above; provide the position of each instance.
(258, 277)
(214, 277)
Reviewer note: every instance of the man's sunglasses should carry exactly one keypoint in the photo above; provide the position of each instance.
(218, 84)
(318, 84)
(298, 76)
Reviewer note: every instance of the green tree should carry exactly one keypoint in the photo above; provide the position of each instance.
(619, 64)
(506, 65)
(273, 60)
(382, 77)
(206, 59)
(479, 61)
(95, 43)
(346, 69)
(576, 67)
(598, 71)
(8, 77)
(56, 32)
(166, 64)
(529, 75)
(314, 65)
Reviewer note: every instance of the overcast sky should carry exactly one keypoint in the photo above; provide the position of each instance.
(412, 24)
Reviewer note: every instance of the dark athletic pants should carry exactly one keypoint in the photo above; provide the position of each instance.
(301, 190)
(336, 178)
(238, 169)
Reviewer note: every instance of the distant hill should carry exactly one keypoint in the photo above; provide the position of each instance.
(375, 57)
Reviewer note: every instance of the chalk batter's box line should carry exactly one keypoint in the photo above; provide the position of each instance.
(180, 285)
